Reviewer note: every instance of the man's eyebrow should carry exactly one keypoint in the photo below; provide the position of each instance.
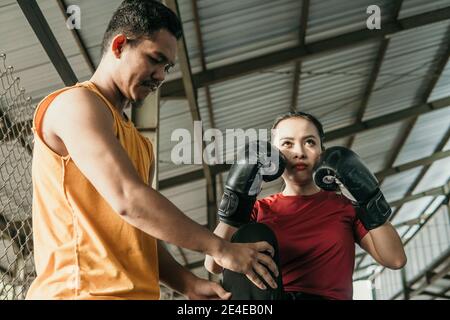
(164, 58)
(286, 138)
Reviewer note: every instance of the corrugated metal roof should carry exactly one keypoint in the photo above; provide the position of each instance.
(236, 30)
(412, 210)
(174, 114)
(436, 176)
(410, 57)
(425, 136)
(190, 198)
(376, 146)
(332, 86)
(252, 101)
(394, 187)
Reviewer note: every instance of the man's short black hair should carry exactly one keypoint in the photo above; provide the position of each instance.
(141, 18)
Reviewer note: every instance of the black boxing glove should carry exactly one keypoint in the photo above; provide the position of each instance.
(341, 169)
(257, 162)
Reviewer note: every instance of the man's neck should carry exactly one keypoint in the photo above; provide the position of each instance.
(108, 88)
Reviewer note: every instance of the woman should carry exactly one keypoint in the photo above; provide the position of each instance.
(316, 230)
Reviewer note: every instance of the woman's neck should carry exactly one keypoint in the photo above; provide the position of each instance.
(293, 189)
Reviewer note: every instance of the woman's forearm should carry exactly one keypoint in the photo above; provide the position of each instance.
(388, 246)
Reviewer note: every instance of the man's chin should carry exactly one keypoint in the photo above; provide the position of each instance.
(140, 101)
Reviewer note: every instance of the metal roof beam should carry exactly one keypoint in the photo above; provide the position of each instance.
(413, 164)
(374, 73)
(435, 295)
(298, 64)
(191, 95)
(48, 41)
(442, 190)
(388, 119)
(212, 209)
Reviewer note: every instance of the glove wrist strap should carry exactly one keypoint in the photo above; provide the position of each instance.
(375, 212)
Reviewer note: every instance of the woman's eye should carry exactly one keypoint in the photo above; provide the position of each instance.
(311, 142)
(286, 144)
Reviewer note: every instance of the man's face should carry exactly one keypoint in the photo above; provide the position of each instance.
(143, 65)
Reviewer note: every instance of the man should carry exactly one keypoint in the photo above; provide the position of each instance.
(95, 217)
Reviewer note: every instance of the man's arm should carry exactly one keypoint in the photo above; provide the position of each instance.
(173, 275)
(87, 133)
(168, 267)
(225, 231)
(385, 246)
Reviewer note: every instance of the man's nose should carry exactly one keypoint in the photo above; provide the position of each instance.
(159, 74)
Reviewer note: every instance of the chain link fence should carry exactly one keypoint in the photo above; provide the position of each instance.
(16, 144)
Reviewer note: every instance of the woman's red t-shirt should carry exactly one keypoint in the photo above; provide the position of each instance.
(316, 237)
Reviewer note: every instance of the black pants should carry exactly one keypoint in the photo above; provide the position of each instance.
(241, 287)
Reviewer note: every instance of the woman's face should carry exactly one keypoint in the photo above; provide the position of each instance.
(298, 139)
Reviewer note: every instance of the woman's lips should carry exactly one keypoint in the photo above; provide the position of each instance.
(301, 167)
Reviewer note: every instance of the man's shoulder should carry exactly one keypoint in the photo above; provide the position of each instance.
(78, 103)
(76, 95)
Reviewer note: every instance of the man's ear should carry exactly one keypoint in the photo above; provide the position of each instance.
(117, 44)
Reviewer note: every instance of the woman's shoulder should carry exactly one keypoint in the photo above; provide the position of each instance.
(267, 203)
(269, 199)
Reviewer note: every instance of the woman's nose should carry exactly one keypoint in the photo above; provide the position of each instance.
(299, 152)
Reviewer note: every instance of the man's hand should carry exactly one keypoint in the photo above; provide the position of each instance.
(200, 289)
(250, 259)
